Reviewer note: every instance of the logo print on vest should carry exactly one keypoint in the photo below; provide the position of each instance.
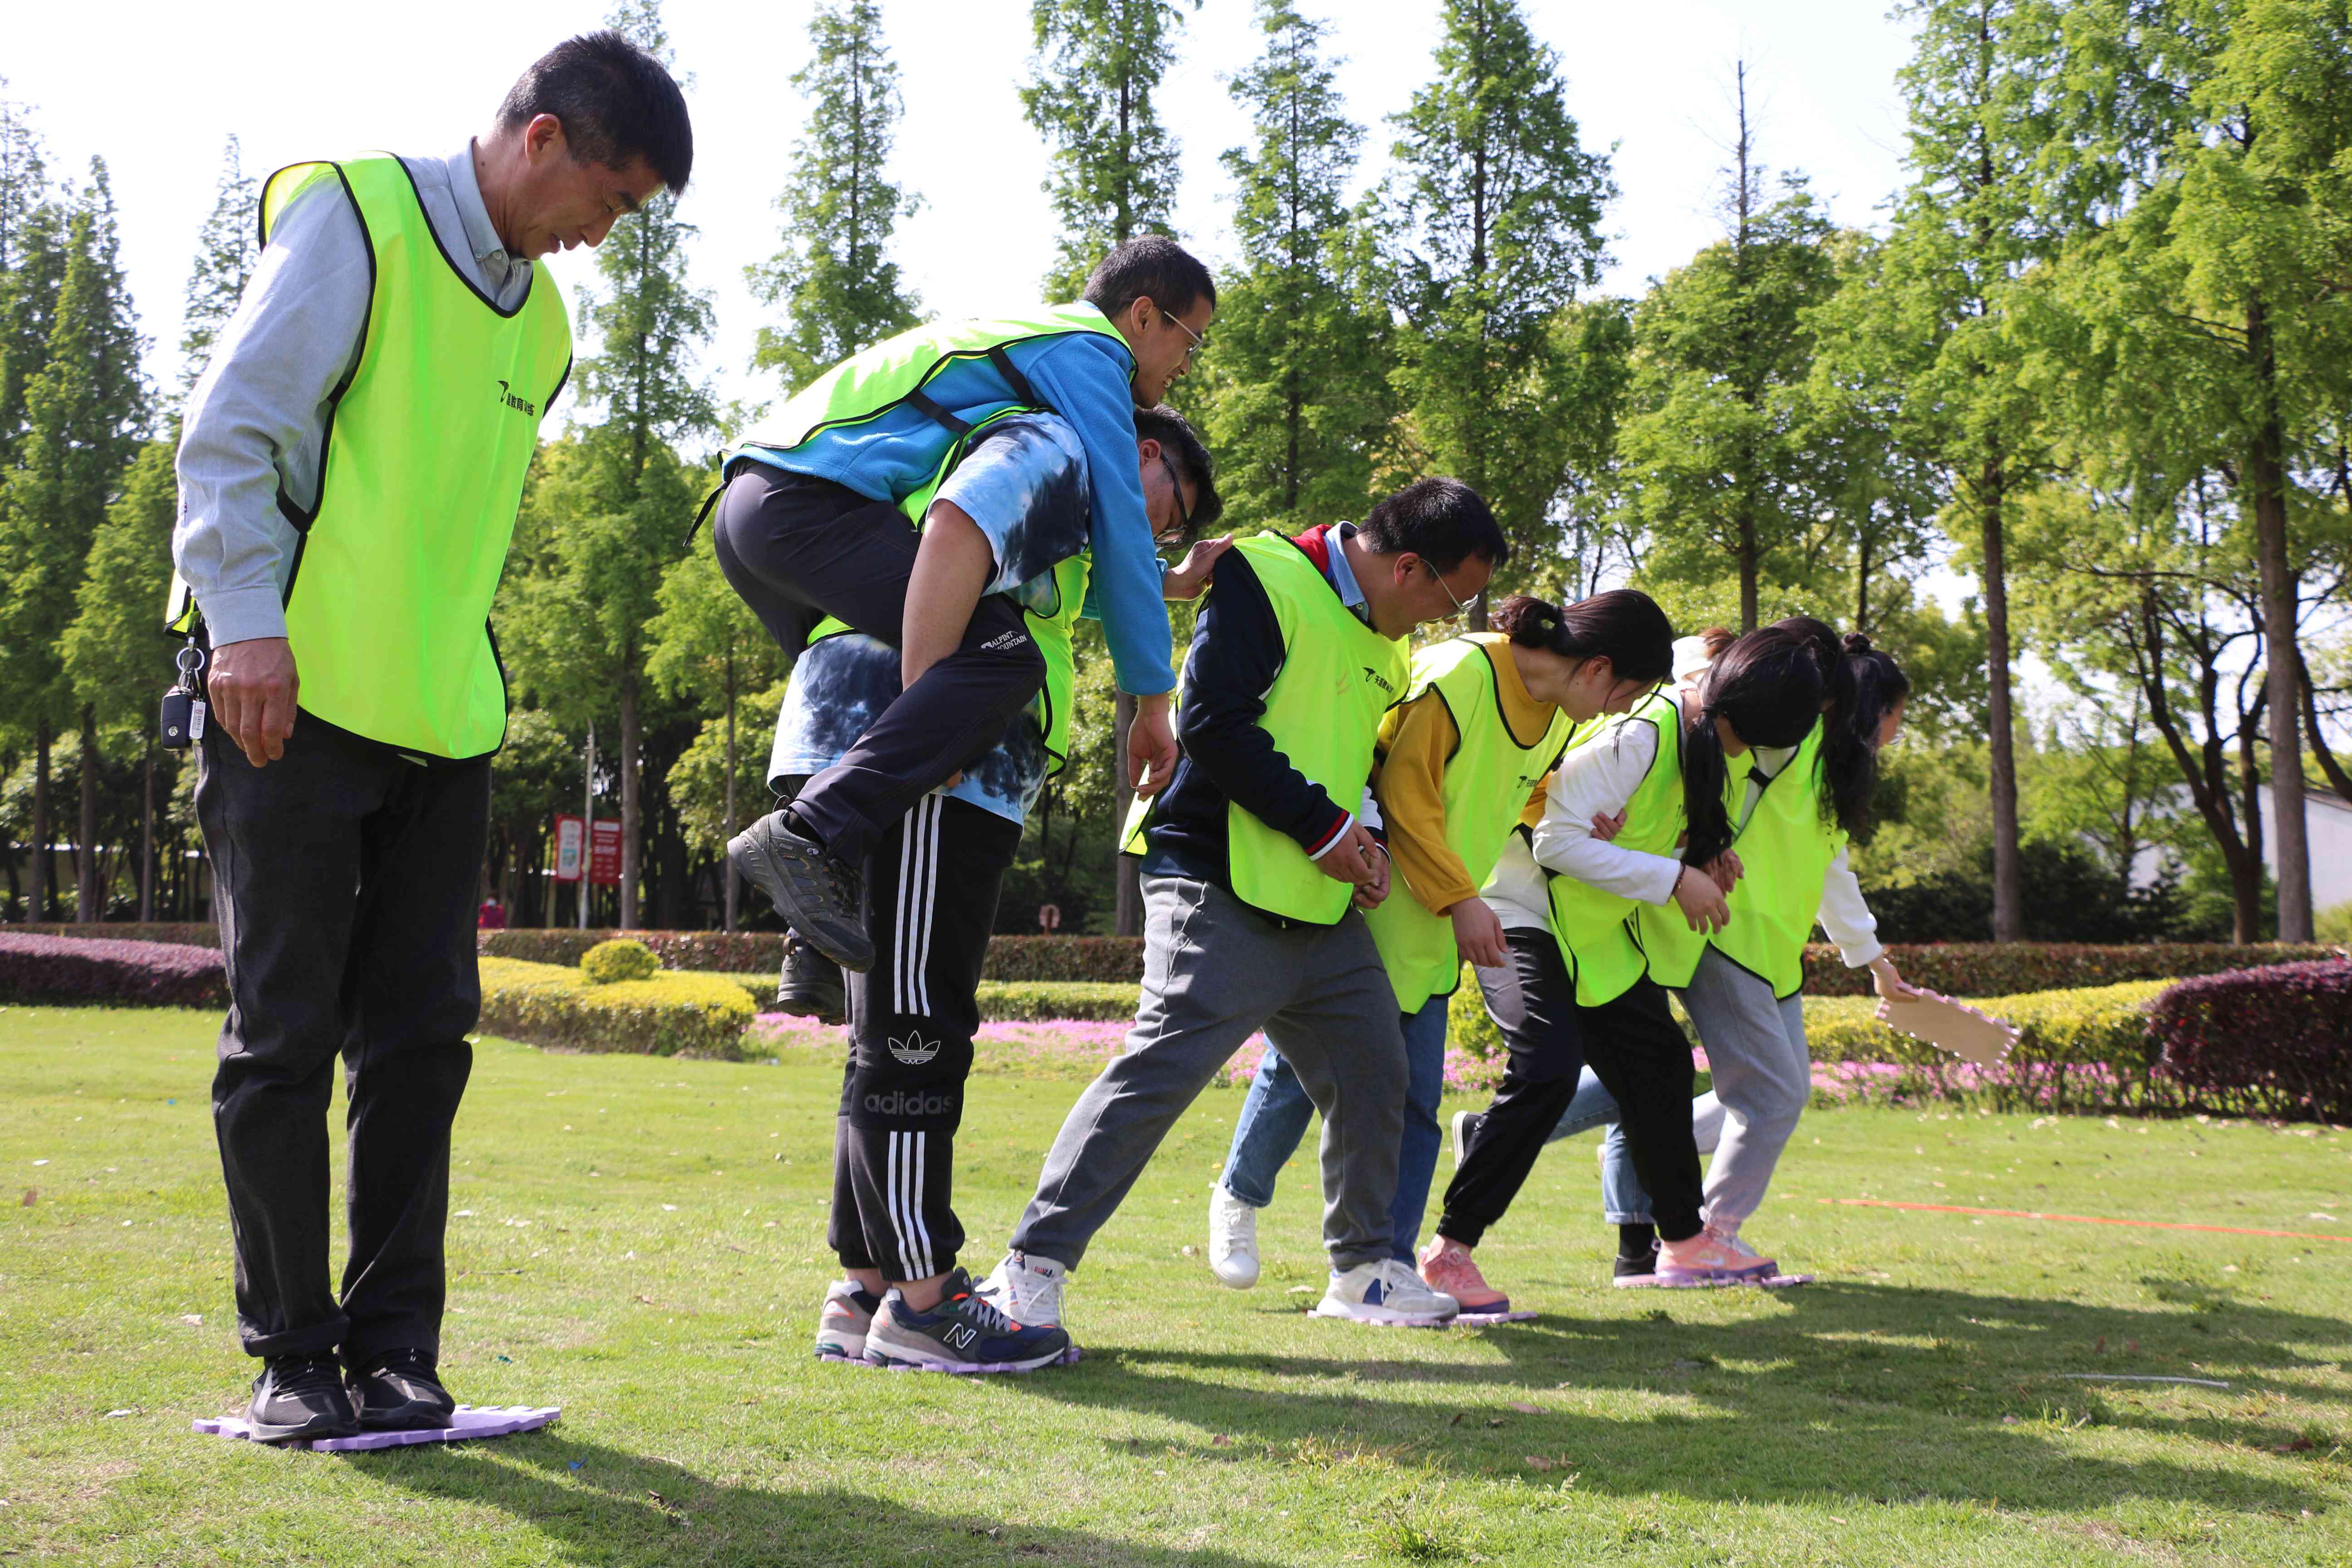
(914, 1050)
(1377, 679)
(522, 406)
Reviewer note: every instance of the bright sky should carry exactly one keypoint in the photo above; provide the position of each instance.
(171, 82)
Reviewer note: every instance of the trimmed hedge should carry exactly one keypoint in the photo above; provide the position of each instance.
(85, 972)
(668, 1014)
(609, 962)
(183, 933)
(2021, 968)
(2083, 1049)
(1003, 1001)
(2262, 1042)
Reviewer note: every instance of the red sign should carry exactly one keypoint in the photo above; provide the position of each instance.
(604, 856)
(571, 846)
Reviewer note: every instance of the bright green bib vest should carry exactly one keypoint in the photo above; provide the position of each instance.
(1785, 849)
(1051, 604)
(1597, 929)
(1487, 781)
(897, 370)
(388, 609)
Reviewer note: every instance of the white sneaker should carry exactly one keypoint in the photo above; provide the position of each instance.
(1463, 1122)
(1232, 1241)
(1385, 1292)
(1026, 1289)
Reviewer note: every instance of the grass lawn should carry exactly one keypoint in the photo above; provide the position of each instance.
(641, 1240)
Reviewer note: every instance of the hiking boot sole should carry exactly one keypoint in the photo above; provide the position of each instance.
(790, 885)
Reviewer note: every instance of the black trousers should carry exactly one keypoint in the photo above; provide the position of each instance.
(932, 891)
(798, 548)
(343, 880)
(1636, 1051)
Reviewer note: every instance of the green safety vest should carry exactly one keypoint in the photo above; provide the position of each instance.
(897, 370)
(388, 608)
(1338, 678)
(1051, 602)
(1486, 786)
(1785, 849)
(1597, 930)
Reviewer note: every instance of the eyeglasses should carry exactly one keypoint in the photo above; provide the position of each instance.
(1176, 488)
(1200, 341)
(1461, 608)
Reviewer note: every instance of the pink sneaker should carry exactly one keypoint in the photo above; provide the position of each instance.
(1728, 1234)
(1708, 1259)
(1447, 1265)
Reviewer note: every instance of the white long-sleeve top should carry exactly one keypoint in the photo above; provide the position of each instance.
(1600, 779)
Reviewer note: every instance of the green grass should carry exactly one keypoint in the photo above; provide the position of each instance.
(1908, 1409)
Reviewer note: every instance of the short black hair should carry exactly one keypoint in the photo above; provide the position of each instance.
(1444, 522)
(1183, 444)
(616, 102)
(1148, 267)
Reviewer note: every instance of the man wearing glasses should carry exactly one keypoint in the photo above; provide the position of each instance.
(813, 523)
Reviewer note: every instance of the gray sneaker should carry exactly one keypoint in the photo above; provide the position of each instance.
(820, 897)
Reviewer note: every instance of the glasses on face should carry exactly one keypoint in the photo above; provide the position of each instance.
(1461, 607)
(1200, 341)
(1176, 490)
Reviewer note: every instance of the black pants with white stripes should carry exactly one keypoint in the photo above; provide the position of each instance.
(931, 887)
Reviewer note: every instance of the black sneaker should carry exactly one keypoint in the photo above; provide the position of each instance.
(299, 1398)
(962, 1333)
(1641, 1267)
(811, 985)
(820, 897)
(400, 1392)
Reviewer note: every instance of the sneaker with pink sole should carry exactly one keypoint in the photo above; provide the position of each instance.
(1447, 1265)
(1711, 1258)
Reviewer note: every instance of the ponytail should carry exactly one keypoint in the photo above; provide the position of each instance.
(1871, 683)
(1768, 686)
(1625, 627)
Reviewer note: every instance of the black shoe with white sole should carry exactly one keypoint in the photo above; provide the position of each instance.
(819, 896)
(300, 1399)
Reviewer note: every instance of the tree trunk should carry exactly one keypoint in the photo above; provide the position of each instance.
(1127, 870)
(2008, 883)
(2266, 477)
(42, 901)
(1747, 594)
(631, 826)
(726, 866)
(147, 835)
(88, 903)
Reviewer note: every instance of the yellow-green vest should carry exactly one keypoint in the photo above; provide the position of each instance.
(428, 441)
(1050, 603)
(1487, 783)
(1338, 678)
(896, 371)
(1596, 929)
(1785, 849)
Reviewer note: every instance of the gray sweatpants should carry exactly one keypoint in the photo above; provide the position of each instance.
(1214, 973)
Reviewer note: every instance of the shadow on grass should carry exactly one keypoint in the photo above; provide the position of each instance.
(624, 1509)
(1870, 1392)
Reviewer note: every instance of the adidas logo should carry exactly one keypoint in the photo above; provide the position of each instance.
(899, 1102)
(915, 1050)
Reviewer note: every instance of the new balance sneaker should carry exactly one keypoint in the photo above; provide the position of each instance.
(1024, 1288)
(300, 1398)
(819, 896)
(1465, 1127)
(844, 1319)
(962, 1333)
(401, 1392)
(1385, 1292)
(1232, 1241)
(811, 985)
(1447, 1265)
(1706, 1259)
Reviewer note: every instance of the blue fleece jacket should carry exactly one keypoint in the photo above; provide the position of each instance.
(1085, 377)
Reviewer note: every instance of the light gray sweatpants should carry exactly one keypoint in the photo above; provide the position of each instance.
(1214, 973)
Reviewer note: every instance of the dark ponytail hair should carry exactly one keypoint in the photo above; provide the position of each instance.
(1871, 683)
(1625, 627)
(1769, 686)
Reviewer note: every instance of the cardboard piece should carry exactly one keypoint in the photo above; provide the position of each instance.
(468, 1421)
(1972, 1035)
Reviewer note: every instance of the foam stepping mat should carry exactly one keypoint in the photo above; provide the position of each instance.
(466, 1423)
(1488, 1319)
(1652, 1283)
(986, 1369)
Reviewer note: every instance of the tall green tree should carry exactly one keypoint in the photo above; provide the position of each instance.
(32, 267)
(227, 248)
(85, 410)
(613, 507)
(1494, 215)
(833, 280)
(1298, 395)
(1717, 450)
(1089, 96)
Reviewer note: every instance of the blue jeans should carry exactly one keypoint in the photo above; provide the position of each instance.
(1275, 1113)
(1623, 1201)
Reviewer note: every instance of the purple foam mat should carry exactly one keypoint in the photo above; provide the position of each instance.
(468, 1422)
(1652, 1283)
(986, 1369)
(1488, 1319)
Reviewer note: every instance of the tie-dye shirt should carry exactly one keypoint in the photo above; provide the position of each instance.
(1024, 482)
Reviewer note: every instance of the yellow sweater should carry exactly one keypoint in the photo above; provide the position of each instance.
(1416, 738)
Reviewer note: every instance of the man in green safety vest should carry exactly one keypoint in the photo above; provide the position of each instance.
(810, 525)
(350, 468)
